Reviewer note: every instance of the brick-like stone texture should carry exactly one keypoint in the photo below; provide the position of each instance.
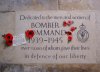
(75, 5)
(13, 5)
(49, 68)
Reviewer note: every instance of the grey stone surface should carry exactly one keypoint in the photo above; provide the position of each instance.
(75, 5)
(14, 5)
(7, 24)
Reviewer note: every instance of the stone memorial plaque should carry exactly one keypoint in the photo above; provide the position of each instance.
(59, 37)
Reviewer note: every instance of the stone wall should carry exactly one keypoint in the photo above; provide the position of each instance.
(7, 24)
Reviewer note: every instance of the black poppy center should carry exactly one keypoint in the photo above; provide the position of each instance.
(8, 37)
(69, 33)
(30, 32)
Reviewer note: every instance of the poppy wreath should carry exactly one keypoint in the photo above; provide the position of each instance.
(72, 29)
(29, 34)
(8, 39)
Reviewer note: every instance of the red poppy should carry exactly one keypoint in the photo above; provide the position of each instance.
(70, 38)
(70, 22)
(29, 34)
(73, 29)
(64, 23)
(9, 42)
(68, 33)
(8, 36)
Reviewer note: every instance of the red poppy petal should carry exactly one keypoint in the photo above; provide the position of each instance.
(29, 34)
(26, 33)
(73, 29)
(69, 38)
(70, 22)
(64, 23)
(9, 42)
(8, 36)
